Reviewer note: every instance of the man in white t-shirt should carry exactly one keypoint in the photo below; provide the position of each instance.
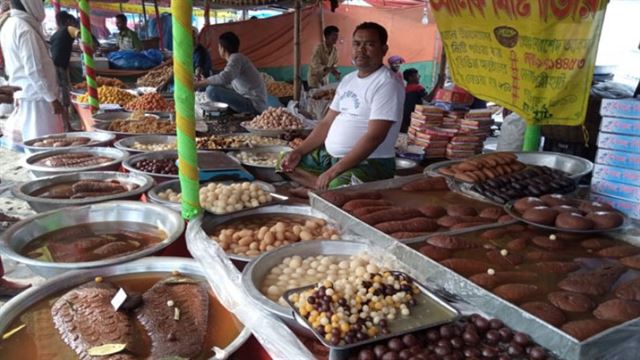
(356, 138)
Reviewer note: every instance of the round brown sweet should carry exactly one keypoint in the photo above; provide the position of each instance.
(566, 208)
(555, 200)
(523, 204)
(545, 311)
(493, 213)
(617, 310)
(573, 221)
(605, 219)
(570, 301)
(461, 210)
(589, 206)
(540, 215)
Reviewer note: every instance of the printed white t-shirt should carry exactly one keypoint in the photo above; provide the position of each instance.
(379, 96)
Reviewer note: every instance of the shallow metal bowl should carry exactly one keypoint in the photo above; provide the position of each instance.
(40, 171)
(150, 265)
(575, 166)
(127, 143)
(255, 272)
(104, 128)
(405, 164)
(97, 139)
(155, 155)
(24, 231)
(41, 204)
(107, 117)
(262, 172)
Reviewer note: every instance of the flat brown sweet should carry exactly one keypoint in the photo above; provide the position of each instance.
(466, 267)
(461, 210)
(596, 243)
(502, 277)
(584, 329)
(617, 310)
(629, 290)
(518, 244)
(435, 253)
(493, 213)
(619, 251)
(494, 234)
(433, 211)
(594, 282)
(631, 261)
(547, 242)
(546, 312)
(516, 293)
(504, 259)
(451, 242)
(557, 267)
(570, 301)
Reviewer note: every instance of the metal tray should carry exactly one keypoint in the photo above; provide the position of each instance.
(272, 132)
(104, 128)
(127, 143)
(40, 204)
(210, 222)
(20, 234)
(508, 207)
(262, 172)
(248, 147)
(150, 265)
(575, 166)
(40, 171)
(97, 139)
(108, 117)
(461, 292)
(356, 225)
(175, 186)
(419, 319)
(159, 178)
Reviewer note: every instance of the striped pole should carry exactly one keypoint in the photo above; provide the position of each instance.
(87, 49)
(185, 107)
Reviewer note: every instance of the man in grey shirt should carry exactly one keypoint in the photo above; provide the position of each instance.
(248, 92)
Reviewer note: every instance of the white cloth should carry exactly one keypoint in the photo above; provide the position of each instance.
(511, 133)
(244, 79)
(28, 65)
(379, 96)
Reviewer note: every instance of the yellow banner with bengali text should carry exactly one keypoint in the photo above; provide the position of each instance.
(534, 57)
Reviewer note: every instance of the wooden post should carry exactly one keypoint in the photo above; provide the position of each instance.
(321, 20)
(158, 25)
(296, 50)
(144, 16)
(207, 11)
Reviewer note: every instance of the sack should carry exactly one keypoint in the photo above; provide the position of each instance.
(135, 60)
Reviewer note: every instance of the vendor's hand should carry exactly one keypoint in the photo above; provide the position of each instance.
(291, 161)
(336, 73)
(57, 107)
(199, 84)
(325, 178)
(6, 94)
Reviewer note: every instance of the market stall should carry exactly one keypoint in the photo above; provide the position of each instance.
(482, 255)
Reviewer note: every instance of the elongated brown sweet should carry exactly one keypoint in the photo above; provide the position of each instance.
(545, 311)
(619, 251)
(516, 293)
(434, 252)
(396, 213)
(617, 310)
(451, 242)
(418, 224)
(584, 329)
(557, 267)
(629, 290)
(427, 184)
(466, 267)
(570, 301)
(368, 210)
(360, 203)
(340, 198)
(631, 261)
(489, 282)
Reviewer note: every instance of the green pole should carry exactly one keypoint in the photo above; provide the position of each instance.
(531, 138)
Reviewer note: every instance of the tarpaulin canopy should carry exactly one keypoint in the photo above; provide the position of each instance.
(132, 7)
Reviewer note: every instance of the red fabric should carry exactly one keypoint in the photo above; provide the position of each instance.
(395, 4)
(414, 88)
(269, 42)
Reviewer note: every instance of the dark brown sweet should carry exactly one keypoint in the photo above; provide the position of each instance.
(502, 277)
(505, 218)
(518, 244)
(504, 259)
(594, 282)
(570, 301)
(466, 267)
(540, 215)
(619, 251)
(543, 255)
(516, 293)
(493, 213)
(596, 243)
(617, 310)
(433, 211)
(573, 221)
(435, 253)
(451, 242)
(552, 200)
(494, 234)
(566, 208)
(550, 242)
(631, 262)
(606, 219)
(545, 311)
(557, 267)
(461, 210)
(629, 290)
(589, 206)
(584, 329)
(523, 204)
(516, 228)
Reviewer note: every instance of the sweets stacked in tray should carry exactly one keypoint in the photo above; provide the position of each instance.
(412, 209)
(581, 284)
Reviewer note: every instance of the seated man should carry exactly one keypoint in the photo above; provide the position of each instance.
(414, 93)
(127, 38)
(248, 92)
(356, 138)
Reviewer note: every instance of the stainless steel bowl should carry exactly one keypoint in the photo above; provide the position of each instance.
(97, 139)
(150, 265)
(104, 128)
(127, 143)
(108, 117)
(262, 172)
(154, 197)
(255, 272)
(405, 164)
(21, 233)
(273, 132)
(40, 171)
(575, 166)
(156, 155)
(40, 204)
